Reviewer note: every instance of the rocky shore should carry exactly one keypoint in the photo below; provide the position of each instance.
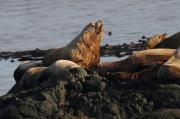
(84, 94)
(87, 93)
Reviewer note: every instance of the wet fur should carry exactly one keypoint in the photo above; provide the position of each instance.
(155, 40)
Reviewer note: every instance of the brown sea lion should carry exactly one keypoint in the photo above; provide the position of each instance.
(137, 61)
(36, 75)
(148, 73)
(154, 40)
(171, 42)
(31, 78)
(61, 65)
(170, 70)
(83, 50)
(23, 67)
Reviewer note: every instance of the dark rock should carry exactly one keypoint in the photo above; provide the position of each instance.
(79, 73)
(163, 114)
(93, 85)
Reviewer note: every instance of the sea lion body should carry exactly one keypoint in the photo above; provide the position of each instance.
(31, 78)
(137, 61)
(170, 70)
(83, 50)
(36, 75)
(61, 65)
(148, 73)
(154, 40)
(23, 67)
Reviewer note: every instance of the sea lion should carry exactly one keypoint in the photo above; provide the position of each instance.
(171, 42)
(137, 61)
(83, 50)
(170, 70)
(154, 40)
(148, 73)
(60, 65)
(31, 78)
(36, 75)
(23, 67)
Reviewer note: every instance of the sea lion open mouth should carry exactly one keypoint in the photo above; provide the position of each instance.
(99, 27)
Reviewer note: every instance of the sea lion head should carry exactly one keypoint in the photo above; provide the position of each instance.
(85, 48)
(94, 29)
(153, 41)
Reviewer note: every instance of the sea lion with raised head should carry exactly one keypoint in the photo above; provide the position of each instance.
(83, 50)
(137, 61)
(154, 40)
(171, 42)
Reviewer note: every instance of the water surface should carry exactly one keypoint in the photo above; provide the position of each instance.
(29, 24)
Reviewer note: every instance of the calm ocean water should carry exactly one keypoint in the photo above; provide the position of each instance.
(29, 24)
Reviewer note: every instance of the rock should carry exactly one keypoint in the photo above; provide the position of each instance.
(94, 85)
(79, 73)
(94, 97)
(163, 114)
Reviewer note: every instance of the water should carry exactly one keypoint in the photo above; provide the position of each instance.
(29, 24)
(6, 75)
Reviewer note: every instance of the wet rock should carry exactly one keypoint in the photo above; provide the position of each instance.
(95, 97)
(163, 114)
(93, 85)
(79, 73)
(112, 111)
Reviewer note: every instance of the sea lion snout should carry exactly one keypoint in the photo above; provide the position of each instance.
(96, 26)
(99, 27)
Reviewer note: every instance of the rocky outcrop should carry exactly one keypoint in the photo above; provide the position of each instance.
(84, 94)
